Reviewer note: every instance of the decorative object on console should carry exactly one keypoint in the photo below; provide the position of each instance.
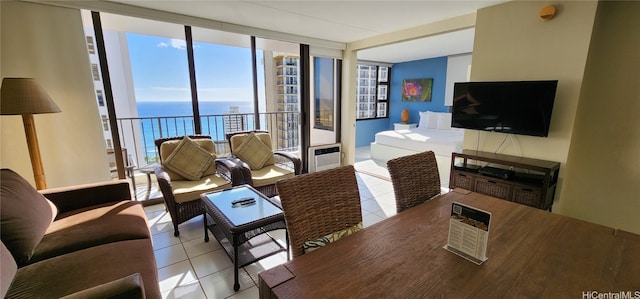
(24, 96)
(404, 117)
(417, 90)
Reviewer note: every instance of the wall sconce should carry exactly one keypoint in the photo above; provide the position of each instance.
(547, 13)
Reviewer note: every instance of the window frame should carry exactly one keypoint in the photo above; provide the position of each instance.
(382, 87)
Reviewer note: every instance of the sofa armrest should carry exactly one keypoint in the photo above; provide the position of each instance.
(297, 163)
(126, 287)
(81, 196)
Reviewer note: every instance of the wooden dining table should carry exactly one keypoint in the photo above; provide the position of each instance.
(531, 253)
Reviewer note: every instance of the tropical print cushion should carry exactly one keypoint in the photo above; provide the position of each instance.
(312, 245)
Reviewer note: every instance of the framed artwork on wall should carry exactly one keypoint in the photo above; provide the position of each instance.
(417, 90)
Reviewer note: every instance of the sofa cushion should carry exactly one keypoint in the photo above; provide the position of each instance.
(67, 274)
(189, 160)
(184, 191)
(25, 215)
(269, 175)
(9, 268)
(253, 151)
(130, 287)
(97, 225)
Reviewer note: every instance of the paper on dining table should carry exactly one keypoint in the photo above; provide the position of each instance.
(468, 232)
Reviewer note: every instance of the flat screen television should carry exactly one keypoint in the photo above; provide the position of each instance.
(514, 107)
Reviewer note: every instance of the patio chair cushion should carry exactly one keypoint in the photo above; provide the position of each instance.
(254, 152)
(184, 191)
(269, 175)
(314, 244)
(189, 160)
(25, 215)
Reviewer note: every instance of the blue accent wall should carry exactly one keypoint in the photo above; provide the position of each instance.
(366, 130)
(435, 68)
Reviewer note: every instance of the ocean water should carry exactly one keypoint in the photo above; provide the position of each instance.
(166, 119)
(158, 109)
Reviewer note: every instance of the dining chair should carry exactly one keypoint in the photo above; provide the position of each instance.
(320, 204)
(415, 179)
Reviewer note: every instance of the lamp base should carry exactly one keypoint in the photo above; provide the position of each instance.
(34, 151)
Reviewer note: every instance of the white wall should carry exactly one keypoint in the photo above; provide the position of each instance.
(48, 44)
(594, 127)
(512, 43)
(603, 168)
(458, 67)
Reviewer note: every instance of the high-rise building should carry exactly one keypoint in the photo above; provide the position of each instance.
(285, 98)
(233, 120)
(372, 90)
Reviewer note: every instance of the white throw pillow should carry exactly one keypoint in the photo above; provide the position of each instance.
(424, 120)
(444, 121)
(432, 120)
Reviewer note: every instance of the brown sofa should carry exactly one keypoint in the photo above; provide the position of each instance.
(86, 241)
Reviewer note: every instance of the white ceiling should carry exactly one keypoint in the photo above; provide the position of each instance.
(340, 21)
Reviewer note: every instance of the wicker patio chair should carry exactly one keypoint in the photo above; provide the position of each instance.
(415, 179)
(281, 165)
(182, 196)
(318, 204)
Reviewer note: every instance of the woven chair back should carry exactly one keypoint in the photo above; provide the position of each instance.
(415, 179)
(319, 203)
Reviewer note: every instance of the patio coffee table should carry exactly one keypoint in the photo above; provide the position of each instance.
(240, 227)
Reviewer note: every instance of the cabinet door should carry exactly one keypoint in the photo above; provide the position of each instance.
(461, 180)
(493, 188)
(527, 195)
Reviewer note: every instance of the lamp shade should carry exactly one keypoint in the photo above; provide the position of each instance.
(24, 96)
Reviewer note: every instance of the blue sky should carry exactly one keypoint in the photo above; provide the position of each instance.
(160, 70)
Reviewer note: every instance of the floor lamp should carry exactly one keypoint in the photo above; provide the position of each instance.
(24, 96)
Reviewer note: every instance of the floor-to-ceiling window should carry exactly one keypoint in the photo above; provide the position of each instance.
(149, 77)
(325, 100)
(223, 70)
(156, 88)
(324, 93)
(160, 79)
(279, 69)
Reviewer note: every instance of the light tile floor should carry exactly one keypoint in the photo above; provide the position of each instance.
(190, 268)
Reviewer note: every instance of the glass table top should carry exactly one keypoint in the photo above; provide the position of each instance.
(242, 213)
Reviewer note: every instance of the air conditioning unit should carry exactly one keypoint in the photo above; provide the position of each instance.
(322, 157)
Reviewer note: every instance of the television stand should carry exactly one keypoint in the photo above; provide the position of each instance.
(530, 181)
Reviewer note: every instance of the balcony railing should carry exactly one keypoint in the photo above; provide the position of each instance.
(138, 134)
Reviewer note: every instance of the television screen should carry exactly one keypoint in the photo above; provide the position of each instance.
(515, 107)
